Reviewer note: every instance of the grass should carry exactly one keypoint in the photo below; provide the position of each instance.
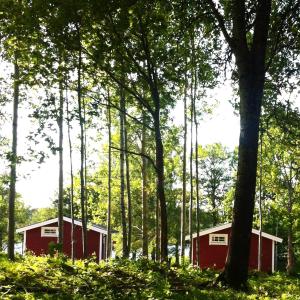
(56, 278)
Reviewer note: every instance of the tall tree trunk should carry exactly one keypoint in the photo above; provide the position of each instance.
(160, 187)
(122, 179)
(157, 230)
(109, 244)
(13, 165)
(73, 254)
(60, 177)
(82, 154)
(214, 207)
(191, 179)
(290, 268)
(250, 61)
(197, 189)
(259, 259)
(144, 191)
(183, 204)
(128, 187)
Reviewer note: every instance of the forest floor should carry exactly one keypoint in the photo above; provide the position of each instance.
(56, 278)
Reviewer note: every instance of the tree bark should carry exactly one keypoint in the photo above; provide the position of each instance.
(73, 254)
(13, 165)
(197, 190)
(160, 188)
(82, 155)
(290, 268)
(122, 179)
(60, 176)
(128, 187)
(183, 204)
(191, 179)
(250, 61)
(259, 259)
(109, 244)
(144, 192)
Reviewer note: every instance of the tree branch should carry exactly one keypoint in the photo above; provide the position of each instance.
(120, 110)
(221, 23)
(138, 154)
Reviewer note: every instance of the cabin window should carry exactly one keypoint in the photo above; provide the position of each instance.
(218, 239)
(49, 231)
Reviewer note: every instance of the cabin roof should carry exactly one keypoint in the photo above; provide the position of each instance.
(94, 227)
(228, 225)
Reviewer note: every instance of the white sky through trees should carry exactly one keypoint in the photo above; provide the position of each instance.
(38, 183)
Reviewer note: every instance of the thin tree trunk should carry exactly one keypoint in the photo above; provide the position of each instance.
(73, 254)
(290, 268)
(129, 207)
(183, 204)
(260, 207)
(13, 166)
(85, 161)
(144, 191)
(122, 179)
(60, 177)
(197, 190)
(109, 244)
(191, 179)
(82, 154)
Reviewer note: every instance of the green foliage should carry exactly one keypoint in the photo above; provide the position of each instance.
(56, 278)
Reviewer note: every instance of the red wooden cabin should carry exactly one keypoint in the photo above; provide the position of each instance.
(36, 238)
(214, 246)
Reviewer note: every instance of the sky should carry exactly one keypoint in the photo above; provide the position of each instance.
(38, 183)
(39, 188)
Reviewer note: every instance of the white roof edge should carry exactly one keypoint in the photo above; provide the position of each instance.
(228, 225)
(20, 230)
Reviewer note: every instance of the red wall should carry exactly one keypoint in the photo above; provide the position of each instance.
(214, 256)
(39, 245)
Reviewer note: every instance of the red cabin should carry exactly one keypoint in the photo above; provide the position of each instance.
(36, 238)
(214, 246)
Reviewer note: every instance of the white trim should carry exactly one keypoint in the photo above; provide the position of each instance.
(55, 220)
(268, 236)
(228, 225)
(100, 246)
(273, 256)
(218, 243)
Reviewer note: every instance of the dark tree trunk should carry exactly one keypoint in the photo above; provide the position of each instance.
(108, 249)
(236, 269)
(250, 61)
(177, 253)
(122, 178)
(160, 188)
(214, 207)
(157, 230)
(60, 176)
(259, 258)
(144, 191)
(183, 204)
(13, 166)
(73, 254)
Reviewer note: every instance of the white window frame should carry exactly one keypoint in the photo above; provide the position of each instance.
(44, 234)
(214, 235)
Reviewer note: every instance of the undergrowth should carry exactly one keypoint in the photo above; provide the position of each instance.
(56, 278)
